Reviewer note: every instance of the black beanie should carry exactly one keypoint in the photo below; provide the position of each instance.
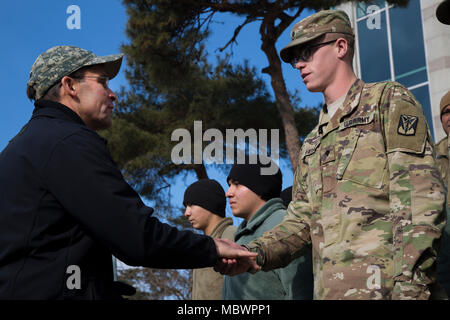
(266, 186)
(207, 194)
(286, 196)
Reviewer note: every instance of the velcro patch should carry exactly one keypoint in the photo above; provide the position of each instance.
(407, 128)
(356, 121)
(407, 125)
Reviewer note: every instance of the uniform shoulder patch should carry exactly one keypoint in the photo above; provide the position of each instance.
(407, 128)
(407, 125)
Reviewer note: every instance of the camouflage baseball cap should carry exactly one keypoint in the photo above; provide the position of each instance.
(312, 27)
(60, 61)
(443, 12)
(445, 101)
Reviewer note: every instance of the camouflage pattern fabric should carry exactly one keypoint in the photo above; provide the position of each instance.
(368, 197)
(320, 23)
(448, 175)
(442, 158)
(60, 61)
(445, 101)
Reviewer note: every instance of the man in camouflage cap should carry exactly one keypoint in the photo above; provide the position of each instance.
(65, 207)
(441, 146)
(442, 156)
(366, 194)
(55, 63)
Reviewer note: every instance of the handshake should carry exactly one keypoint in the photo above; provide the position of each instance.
(234, 259)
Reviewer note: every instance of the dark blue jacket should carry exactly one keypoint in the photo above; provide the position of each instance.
(64, 202)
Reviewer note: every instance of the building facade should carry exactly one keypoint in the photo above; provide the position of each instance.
(404, 44)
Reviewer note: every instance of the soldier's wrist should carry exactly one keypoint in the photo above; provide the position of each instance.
(252, 247)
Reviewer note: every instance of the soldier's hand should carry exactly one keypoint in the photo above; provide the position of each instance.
(235, 258)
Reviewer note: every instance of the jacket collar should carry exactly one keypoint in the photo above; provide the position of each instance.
(221, 226)
(53, 109)
(350, 103)
(259, 217)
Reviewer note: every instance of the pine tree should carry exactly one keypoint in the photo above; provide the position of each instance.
(171, 85)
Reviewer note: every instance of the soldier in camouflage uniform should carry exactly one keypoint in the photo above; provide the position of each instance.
(442, 153)
(441, 146)
(367, 195)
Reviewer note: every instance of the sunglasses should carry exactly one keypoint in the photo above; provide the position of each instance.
(305, 53)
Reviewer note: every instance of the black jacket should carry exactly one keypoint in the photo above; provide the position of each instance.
(64, 202)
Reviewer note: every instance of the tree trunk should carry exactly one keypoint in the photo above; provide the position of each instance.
(283, 102)
(200, 171)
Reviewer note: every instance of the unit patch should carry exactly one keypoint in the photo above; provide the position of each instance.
(407, 125)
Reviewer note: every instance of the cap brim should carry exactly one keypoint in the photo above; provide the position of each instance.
(286, 52)
(112, 63)
(443, 12)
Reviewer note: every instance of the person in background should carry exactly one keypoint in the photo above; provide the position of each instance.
(443, 12)
(286, 196)
(442, 156)
(255, 198)
(205, 203)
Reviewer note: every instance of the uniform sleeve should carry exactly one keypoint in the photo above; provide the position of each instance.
(416, 194)
(89, 186)
(289, 239)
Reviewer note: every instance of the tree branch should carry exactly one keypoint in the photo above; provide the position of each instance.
(248, 20)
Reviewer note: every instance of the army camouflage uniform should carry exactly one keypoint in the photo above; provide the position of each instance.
(442, 158)
(443, 260)
(368, 197)
(442, 151)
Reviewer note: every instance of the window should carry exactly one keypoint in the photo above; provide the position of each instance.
(391, 47)
(374, 51)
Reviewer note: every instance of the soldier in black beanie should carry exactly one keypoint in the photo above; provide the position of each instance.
(205, 208)
(255, 197)
(251, 175)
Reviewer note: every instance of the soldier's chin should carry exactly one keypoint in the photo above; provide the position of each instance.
(311, 87)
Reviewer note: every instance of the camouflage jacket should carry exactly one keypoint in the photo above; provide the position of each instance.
(442, 158)
(368, 197)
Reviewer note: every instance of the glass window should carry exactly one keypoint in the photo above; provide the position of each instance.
(413, 77)
(361, 8)
(407, 44)
(373, 51)
(423, 96)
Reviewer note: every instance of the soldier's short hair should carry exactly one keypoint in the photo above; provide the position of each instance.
(53, 93)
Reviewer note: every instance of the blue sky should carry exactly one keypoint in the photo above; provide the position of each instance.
(29, 28)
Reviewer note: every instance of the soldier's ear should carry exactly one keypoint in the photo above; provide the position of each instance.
(342, 47)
